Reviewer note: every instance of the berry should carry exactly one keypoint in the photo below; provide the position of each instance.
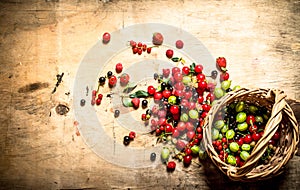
(198, 68)
(119, 67)
(175, 70)
(187, 160)
(135, 102)
(117, 113)
(134, 50)
(140, 44)
(221, 63)
(124, 79)
(157, 96)
(98, 101)
(171, 166)
(214, 74)
(132, 43)
(174, 109)
(157, 38)
(144, 103)
(175, 133)
(179, 44)
(132, 135)
(94, 92)
(276, 136)
(224, 76)
(247, 139)
(151, 90)
(185, 70)
(102, 80)
(126, 140)
(166, 93)
(106, 38)
(140, 51)
(149, 50)
(202, 85)
(100, 96)
(169, 53)
(152, 156)
(112, 81)
(166, 72)
(144, 47)
(109, 74)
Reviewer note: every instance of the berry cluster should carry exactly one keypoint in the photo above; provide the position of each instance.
(139, 48)
(237, 129)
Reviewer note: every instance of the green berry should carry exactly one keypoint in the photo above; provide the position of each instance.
(215, 134)
(193, 114)
(225, 84)
(246, 147)
(230, 134)
(241, 117)
(244, 155)
(242, 126)
(219, 124)
(231, 160)
(234, 147)
(218, 92)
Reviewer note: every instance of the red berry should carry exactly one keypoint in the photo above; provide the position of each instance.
(189, 126)
(224, 140)
(112, 81)
(181, 126)
(162, 121)
(272, 142)
(134, 50)
(171, 166)
(190, 135)
(144, 47)
(139, 51)
(175, 133)
(140, 44)
(188, 151)
(180, 145)
(202, 85)
(179, 44)
(93, 101)
(250, 119)
(106, 38)
(157, 38)
(166, 93)
(276, 136)
(166, 72)
(192, 105)
(168, 128)
(221, 63)
(187, 160)
(151, 90)
(224, 76)
(149, 50)
(100, 96)
(124, 79)
(178, 77)
(131, 135)
(175, 70)
(200, 77)
(256, 136)
(157, 131)
(187, 94)
(210, 96)
(179, 86)
(169, 53)
(98, 101)
(132, 43)
(253, 128)
(174, 109)
(135, 102)
(144, 117)
(157, 96)
(247, 139)
(206, 107)
(198, 68)
(204, 114)
(240, 141)
(185, 70)
(200, 99)
(119, 67)
(199, 129)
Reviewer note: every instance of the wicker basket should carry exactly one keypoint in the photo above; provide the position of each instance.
(281, 116)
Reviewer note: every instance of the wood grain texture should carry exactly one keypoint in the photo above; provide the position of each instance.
(40, 39)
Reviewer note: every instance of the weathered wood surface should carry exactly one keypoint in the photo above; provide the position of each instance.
(39, 39)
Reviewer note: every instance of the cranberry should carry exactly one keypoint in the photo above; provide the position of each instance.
(171, 166)
(256, 136)
(175, 133)
(187, 160)
(134, 50)
(185, 70)
(112, 81)
(175, 70)
(198, 68)
(144, 47)
(202, 84)
(98, 101)
(247, 139)
(168, 128)
(181, 126)
(200, 77)
(119, 67)
(149, 50)
(151, 90)
(106, 38)
(157, 96)
(132, 43)
(178, 77)
(169, 53)
(179, 44)
(140, 51)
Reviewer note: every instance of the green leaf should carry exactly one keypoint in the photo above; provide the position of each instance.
(127, 102)
(176, 59)
(192, 67)
(139, 94)
(130, 87)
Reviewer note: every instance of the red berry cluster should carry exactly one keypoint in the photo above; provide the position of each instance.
(139, 48)
(98, 100)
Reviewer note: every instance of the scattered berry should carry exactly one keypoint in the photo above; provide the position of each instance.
(119, 67)
(106, 38)
(179, 44)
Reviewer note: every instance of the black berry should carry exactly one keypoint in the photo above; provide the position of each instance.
(126, 140)
(109, 74)
(152, 156)
(144, 103)
(102, 80)
(117, 113)
(214, 74)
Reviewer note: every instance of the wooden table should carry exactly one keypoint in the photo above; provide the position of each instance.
(40, 39)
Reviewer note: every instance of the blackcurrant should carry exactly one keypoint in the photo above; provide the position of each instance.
(214, 74)
(163, 86)
(187, 88)
(178, 100)
(152, 156)
(82, 102)
(102, 80)
(144, 103)
(155, 76)
(229, 90)
(117, 113)
(109, 74)
(126, 140)
(148, 112)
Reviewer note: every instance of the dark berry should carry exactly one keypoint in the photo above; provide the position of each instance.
(117, 113)
(187, 88)
(109, 74)
(175, 123)
(152, 156)
(229, 90)
(163, 86)
(178, 100)
(126, 140)
(144, 103)
(214, 74)
(82, 102)
(155, 76)
(148, 112)
(102, 80)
